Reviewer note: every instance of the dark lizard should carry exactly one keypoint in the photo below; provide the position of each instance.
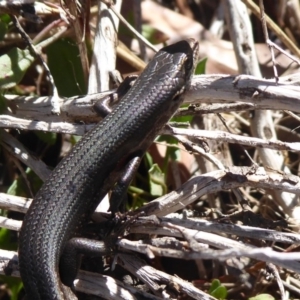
(94, 166)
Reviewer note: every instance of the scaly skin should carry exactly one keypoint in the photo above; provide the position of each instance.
(90, 170)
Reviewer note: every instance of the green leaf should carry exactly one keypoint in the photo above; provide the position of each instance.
(157, 181)
(5, 18)
(215, 284)
(200, 68)
(262, 297)
(14, 285)
(3, 29)
(220, 292)
(182, 119)
(19, 187)
(5, 240)
(75, 139)
(47, 137)
(65, 66)
(171, 152)
(149, 160)
(151, 34)
(13, 66)
(217, 290)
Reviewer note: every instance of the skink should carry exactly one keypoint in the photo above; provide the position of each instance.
(91, 169)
